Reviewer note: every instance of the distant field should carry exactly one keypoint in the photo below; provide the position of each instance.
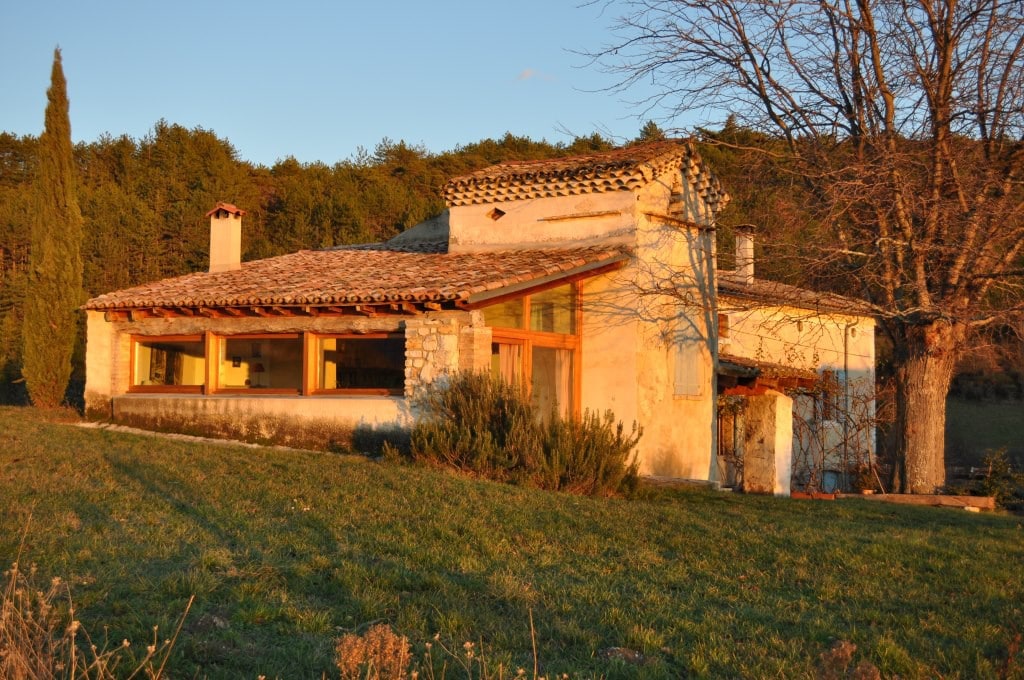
(286, 550)
(972, 427)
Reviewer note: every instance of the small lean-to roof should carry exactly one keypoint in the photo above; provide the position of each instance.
(743, 367)
(732, 285)
(363, 275)
(618, 170)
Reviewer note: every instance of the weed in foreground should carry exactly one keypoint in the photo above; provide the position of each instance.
(40, 639)
(378, 654)
(834, 663)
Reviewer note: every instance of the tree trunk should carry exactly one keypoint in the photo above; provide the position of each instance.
(924, 363)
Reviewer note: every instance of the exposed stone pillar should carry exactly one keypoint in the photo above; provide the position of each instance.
(768, 444)
(432, 349)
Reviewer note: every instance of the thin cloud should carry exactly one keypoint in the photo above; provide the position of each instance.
(534, 74)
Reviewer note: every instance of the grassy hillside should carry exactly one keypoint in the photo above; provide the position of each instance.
(287, 550)
(973, 427)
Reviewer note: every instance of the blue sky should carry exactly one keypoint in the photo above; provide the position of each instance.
(314, 79)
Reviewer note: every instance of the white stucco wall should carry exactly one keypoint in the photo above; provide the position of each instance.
(541, 222)
(99, 362)
(609, 356)
(842, 343)
(799, 338)
(633, 334)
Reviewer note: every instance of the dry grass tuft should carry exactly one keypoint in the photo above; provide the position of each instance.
(378, 654)
(29, 647)
(40, 638)
(833, 664)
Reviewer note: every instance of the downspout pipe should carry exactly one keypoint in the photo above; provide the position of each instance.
(846, 401)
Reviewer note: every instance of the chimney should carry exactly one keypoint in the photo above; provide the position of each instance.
(225, 237)
(745, 252)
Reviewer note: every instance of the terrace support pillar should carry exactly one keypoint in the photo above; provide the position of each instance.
(768, 444)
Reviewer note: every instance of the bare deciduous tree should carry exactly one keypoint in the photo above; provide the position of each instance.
(904, 122)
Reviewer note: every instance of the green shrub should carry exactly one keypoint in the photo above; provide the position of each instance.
(589, 456)
(1000, 480)
(477, 424)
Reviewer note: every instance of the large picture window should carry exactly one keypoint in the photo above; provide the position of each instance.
(260, 362)
(269, 363)
(368, 364)
(171, 363)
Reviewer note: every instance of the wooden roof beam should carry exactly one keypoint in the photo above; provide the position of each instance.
(405, 307)
(112, 315)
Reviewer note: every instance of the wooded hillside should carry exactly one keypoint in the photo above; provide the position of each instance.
(144, 203)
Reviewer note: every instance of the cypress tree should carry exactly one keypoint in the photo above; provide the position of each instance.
(55, 265)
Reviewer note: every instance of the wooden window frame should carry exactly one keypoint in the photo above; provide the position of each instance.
(313, 367)
(529, 339)
(136, 339)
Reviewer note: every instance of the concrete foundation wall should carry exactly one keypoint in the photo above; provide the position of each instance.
(325, 423)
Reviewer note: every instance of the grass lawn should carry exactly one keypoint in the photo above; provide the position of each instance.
(285, 551)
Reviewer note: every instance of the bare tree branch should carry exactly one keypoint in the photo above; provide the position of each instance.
(903, 120)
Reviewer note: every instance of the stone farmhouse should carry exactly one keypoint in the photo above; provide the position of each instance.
(591, 280)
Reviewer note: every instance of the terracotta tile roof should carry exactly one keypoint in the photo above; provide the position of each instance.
(358, 275)
(730, 284)
(622, 169)
(227, 207)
